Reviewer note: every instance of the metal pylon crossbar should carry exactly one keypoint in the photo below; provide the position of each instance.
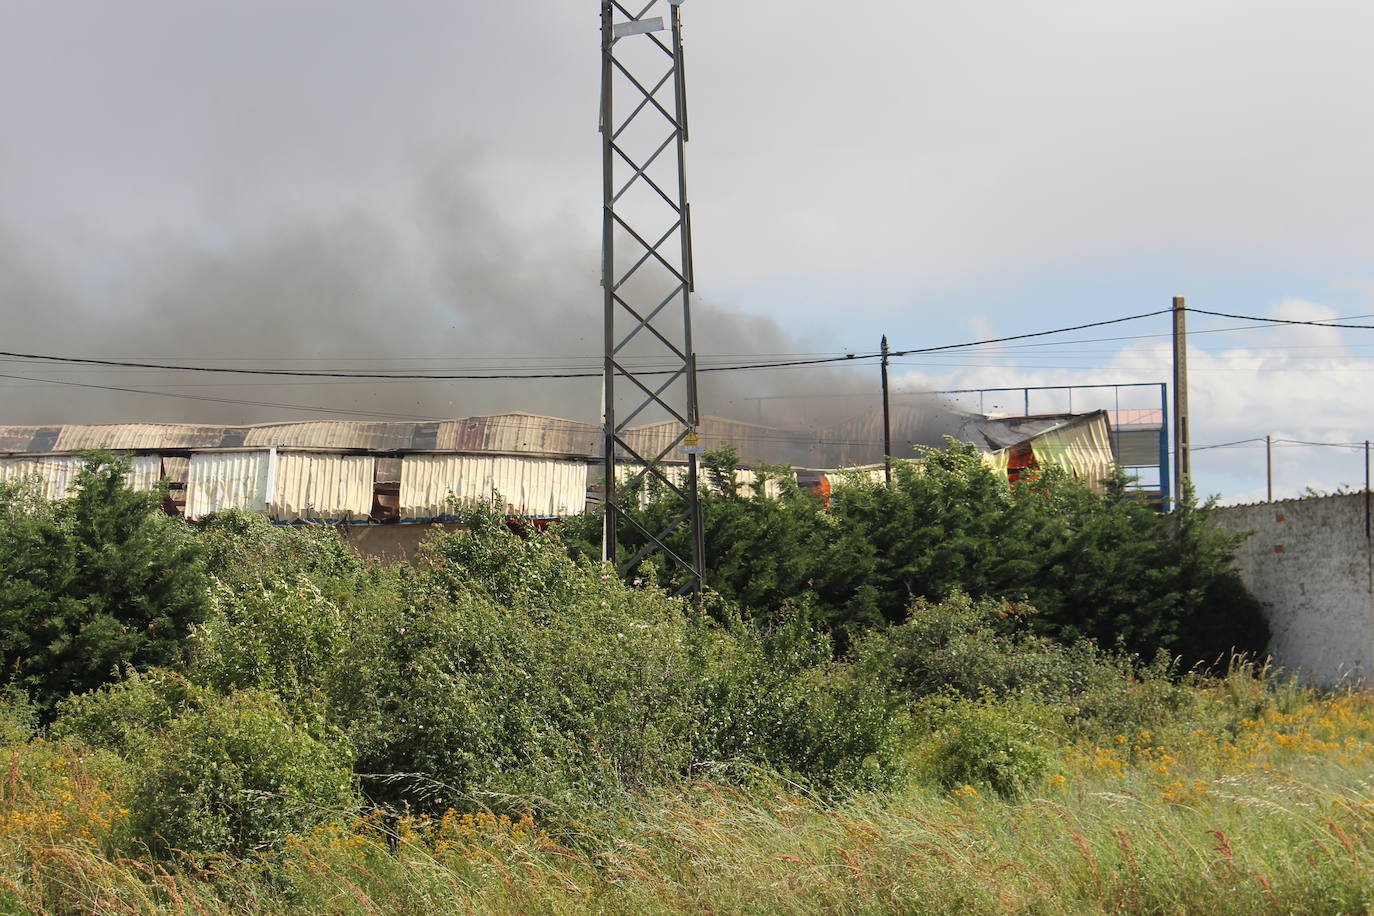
(646, 271)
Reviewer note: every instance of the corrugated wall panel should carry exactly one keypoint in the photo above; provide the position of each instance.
(227, 480)
(1138, 447)
(175, 469)
(145, 472)
(55, 475)
(322, 488)
(536, 487)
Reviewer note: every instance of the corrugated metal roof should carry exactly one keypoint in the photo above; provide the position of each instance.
(856, 440)
(28, 438)
(137, 436)
(754, 442)
(333, 434)
(859, 439)
(521, 432)
(509, 432)
(1001, 432)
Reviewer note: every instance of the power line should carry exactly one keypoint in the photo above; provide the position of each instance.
(311, 373)
(1359, 445)
(488, 375)
(202, 397)
(1314, 324)
(1203, 448)
(1287, 442)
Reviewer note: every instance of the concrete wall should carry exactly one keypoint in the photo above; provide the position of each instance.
(1310, 562)
(390, 543)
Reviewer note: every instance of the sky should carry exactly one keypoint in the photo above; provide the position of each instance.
(417, 183)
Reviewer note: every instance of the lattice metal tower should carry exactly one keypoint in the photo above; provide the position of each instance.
(647, 275)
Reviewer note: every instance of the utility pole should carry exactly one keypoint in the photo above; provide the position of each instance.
(1366, 490)
(646, 276)
(1183, 465)
(887, 422)
(1269, 466)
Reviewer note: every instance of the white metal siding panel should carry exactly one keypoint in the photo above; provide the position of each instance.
(322, 488)
(144, 472)
(227, 480)
(536, 487)
(55, 474)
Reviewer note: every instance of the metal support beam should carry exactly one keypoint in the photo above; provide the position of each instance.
(646, 268)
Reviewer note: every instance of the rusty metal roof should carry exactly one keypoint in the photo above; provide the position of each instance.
(854, 441)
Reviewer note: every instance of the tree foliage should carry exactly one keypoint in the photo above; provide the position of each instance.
(1106, 567)
(93, 582)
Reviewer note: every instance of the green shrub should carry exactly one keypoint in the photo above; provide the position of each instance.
(762, 552)
(125, 716)
(975, 647)
(234, 774)
(1003, 746)
(283, 635)
(237, 541)
(18, 717)
(212, 772)
(487, 558)
(780, 698)
(500, 672)
(92, 583)
(1127, 698)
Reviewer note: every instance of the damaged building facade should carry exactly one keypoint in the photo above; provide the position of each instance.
(373, 473)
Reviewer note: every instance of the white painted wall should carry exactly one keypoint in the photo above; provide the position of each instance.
(1311, 565)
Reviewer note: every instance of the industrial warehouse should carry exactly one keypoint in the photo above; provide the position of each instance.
(352, 473)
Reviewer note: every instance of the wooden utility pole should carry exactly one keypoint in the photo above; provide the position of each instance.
(1183, 465)
(887, 422)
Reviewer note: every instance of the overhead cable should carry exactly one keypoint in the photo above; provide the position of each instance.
(311, 373)
(202, 397)
(1271, 320)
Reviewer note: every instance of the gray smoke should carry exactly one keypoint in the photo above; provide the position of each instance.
(440, 283)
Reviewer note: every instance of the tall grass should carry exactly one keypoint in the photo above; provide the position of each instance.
(1275, 816)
